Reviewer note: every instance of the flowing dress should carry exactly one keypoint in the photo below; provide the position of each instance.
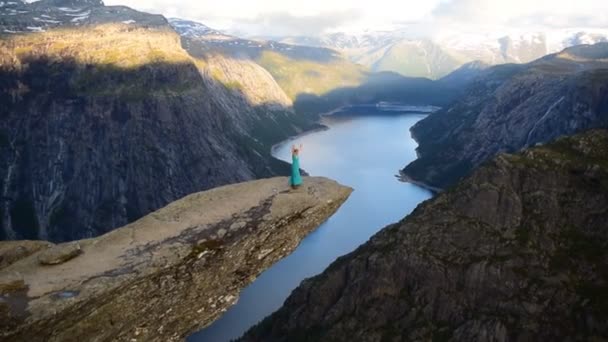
(296, 178)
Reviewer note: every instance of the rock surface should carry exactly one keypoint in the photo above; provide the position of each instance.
(11, 251)
(516, 252)
(171, 272)
(510, 107)
(59, 254)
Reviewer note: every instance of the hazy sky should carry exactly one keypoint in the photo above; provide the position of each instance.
(309, 17)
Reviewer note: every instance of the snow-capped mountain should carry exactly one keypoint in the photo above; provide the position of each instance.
(437, 57)
(207, 39)
(43, 15)
(194, 29)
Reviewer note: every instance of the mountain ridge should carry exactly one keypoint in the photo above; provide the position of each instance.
(436, 57)
(510, 107)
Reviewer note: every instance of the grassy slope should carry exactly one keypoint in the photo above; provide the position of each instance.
(305, 76)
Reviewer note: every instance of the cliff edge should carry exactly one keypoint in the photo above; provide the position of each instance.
(165, 275)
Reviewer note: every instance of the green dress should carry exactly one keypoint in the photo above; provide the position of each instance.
(296, 178)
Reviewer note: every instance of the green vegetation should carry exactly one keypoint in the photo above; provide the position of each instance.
(107, 60)
(109, 44)
(306, 76)
(233, 85)
(137, 84)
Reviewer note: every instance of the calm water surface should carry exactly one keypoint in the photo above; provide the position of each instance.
(363, 152)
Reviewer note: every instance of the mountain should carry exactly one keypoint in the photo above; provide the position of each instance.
(400, 52)
(380, 87)
(517, 251)
(106, 117)
(461, 77)
(297, 69)
(510, 107)
(318, 79)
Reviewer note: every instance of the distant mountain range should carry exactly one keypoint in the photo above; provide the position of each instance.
(435, 58)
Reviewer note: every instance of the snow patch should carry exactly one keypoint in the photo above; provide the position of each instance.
(83, 14)
(129, 22)
(35, 28)
(77, 19)
(49, 21)
(71, 10)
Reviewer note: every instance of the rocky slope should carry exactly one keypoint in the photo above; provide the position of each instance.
(297, 69)
(105, 118)
(163, 276)
(510, 107)
(516, 252)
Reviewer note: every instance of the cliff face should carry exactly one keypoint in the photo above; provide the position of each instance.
(164, 276)
(517, 251)
(105, 118)
(511, 107)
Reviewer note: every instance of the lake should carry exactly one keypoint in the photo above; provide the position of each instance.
(365, 151)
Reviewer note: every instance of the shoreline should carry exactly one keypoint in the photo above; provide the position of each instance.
(403, 177)
(321, 128)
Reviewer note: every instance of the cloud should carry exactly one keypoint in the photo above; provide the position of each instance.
(310, 17)
(286, 24)
(523, 13)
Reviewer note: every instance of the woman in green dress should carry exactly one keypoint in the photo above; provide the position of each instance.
(296, 178)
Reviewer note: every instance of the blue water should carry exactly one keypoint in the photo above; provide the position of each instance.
(363, 152)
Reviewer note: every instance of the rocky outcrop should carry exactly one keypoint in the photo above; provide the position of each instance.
(167, 274)
(516, 252)
(11, 251)
(105, 118)
(511, 107)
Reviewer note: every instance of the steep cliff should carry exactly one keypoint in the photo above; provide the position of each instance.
(510, 107)
(516, 252)
(163, 276)
(105, 118)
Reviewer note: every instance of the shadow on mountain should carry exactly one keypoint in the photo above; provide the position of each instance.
(383, 86)
(86, 148)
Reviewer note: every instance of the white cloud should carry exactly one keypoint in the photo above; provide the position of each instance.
(533, 13)
(291, 17)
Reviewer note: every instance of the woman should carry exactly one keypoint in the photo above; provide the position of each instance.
(296, 178)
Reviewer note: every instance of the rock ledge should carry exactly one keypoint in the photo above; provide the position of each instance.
(167, 274)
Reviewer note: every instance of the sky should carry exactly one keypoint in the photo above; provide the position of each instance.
(427, 17)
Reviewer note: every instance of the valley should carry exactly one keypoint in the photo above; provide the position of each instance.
(144, 150)
(362, 149)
